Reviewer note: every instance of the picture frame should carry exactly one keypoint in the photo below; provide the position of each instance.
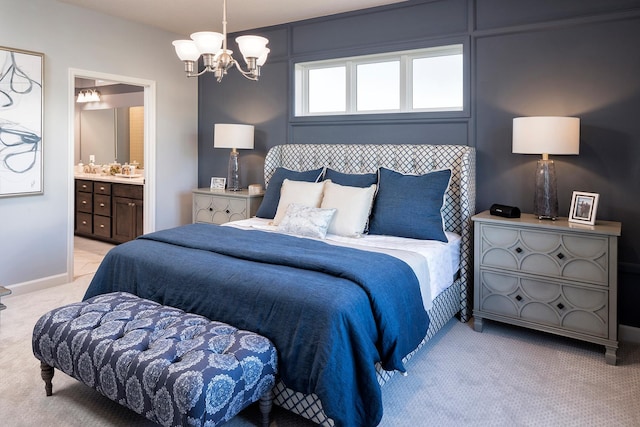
(583, 207)
(218, 183)
(21, 122)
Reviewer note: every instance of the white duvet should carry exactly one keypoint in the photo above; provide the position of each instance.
(434, 263)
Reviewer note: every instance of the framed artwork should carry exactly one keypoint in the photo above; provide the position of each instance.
(21, 118)
(583, 207)
(218, 183)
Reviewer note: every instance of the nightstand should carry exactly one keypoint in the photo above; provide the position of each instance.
(220, 206)
(553, 276)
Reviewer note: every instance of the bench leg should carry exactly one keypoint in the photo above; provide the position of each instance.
(266, 403)
(47, 372)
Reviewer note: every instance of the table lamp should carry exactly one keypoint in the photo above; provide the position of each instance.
(546, 135)
(235, 137)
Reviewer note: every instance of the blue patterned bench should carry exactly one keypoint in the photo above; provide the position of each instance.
(172, 367)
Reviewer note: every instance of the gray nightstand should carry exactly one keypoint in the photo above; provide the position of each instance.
(220, 206)
(553, 276)
(3, 293)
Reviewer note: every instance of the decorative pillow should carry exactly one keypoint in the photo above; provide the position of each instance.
(304, 193)
(351, 179)
(353, 206)
(306, 221)
(410, 205)
(269, 205)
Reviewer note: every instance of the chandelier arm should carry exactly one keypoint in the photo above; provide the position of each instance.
(247, 74)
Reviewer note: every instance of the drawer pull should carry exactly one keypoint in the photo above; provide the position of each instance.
(228, 211)
(84, 222)
(101, 188)
(84, 186)
(560, 306)
(101, 225)
(518, 297)
(560, 255)
(518, 250)
(102, 205)
(210, 209)
(84, 202)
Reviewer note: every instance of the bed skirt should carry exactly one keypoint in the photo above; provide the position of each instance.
(445, 306)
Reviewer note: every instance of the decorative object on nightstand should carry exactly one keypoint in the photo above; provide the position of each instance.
(556, 277)
(220, 206)
(233, 136)
(546, 135)
(583, 207)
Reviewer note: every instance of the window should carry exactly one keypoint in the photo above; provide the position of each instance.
(409, 81)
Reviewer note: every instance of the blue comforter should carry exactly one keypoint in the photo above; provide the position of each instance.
(332, 312)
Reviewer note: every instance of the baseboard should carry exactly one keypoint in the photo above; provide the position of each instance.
(629, 334)
(39, 284)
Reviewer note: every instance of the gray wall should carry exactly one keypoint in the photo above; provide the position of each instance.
(526, 57)
(34, 230)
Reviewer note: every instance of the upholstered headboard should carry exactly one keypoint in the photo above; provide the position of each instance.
(405, 158)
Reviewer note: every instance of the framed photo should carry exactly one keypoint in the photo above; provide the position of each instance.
(21, 107)
(218, 183)
(583, 207)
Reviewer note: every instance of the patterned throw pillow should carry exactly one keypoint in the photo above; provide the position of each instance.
(306, 221)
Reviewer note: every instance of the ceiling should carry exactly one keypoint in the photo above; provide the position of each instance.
(188, 16)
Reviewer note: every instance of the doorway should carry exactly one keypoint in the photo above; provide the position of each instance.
(149, 149)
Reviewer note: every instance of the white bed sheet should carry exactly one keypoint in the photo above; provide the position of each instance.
(434, 263)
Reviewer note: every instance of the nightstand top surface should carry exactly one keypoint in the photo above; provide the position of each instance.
(228, 193)
(611, 228)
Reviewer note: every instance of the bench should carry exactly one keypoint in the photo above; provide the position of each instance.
(172, 367)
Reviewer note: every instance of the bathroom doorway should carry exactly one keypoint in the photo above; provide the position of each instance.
(83, 79)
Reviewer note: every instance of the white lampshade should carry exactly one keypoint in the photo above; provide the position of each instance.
(252, 46)
(186, 50)
(263, 58)
(208, 41)
(546, 135)
(233, 136)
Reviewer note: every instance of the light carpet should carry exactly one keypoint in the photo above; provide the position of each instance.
(505, 376)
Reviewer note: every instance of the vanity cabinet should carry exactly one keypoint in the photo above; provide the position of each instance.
(108, 211)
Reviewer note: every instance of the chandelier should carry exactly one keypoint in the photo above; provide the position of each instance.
(216, 57)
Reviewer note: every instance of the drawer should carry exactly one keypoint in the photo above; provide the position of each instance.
(84, 185)
(84, 222)
(543, 302)
(102, 205)
(561, 255)
(102, 187)
(131, 191)
(102, 226)
(218, 209)
(84, 202)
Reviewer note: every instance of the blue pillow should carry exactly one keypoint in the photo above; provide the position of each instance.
(269, 205)
(351, 179)
(409, 205)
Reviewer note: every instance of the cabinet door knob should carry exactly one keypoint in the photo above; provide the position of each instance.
(519, 298)
(210, 209)
(228, 211)
(560, 306)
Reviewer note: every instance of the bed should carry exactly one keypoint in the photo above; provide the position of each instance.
(339, 331)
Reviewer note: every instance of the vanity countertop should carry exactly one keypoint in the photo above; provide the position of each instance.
(110, 178)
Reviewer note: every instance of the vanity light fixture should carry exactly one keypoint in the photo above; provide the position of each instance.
(88, 95)
(546, 135)
(216, 57)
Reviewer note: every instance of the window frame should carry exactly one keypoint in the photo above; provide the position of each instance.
(300, 88)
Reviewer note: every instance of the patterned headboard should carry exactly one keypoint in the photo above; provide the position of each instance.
(416, 159)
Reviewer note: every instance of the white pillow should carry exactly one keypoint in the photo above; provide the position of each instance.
(306, 221)
(353, 206)
(304, 193)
